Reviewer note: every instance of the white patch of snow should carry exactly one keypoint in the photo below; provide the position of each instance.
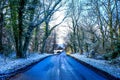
(9, 65)
(100, 64)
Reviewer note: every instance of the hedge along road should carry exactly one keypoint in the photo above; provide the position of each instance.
(58, 67)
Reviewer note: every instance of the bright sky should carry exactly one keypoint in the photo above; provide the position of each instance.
(61, 29)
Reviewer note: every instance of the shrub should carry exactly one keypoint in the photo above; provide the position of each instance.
(113, 54)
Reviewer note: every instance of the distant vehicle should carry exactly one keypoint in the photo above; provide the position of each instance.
(57, 51)
(59, 48)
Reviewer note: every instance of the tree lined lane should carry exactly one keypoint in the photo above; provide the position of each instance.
(58, 67)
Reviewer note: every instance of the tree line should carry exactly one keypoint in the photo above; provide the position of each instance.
(25, 24)
(94, 25)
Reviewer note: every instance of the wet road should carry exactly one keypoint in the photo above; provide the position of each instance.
(58, 67)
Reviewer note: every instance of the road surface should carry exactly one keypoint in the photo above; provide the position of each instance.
(58, 67)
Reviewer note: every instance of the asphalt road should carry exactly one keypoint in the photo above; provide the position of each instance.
(58, 67)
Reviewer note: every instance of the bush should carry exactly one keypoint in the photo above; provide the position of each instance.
(107, 56)
(113, 54)
(116, 51)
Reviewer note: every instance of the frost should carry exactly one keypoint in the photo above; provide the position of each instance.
(100, 64)
(10, 65)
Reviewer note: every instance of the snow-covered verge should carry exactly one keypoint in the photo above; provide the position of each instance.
(10, 65)
(99, 64)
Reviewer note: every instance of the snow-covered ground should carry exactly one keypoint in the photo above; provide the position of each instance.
(100, 64)
(8, 65)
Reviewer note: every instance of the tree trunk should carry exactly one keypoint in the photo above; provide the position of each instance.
(119, 32)
(110, 24)
(79, 41)
(45, 36)
(27, 39)
(36, 40)
(20, 26)
(43, 45)
(74, 36)
(54, 41)
(29, 30)
(14, 17)
(1, 32)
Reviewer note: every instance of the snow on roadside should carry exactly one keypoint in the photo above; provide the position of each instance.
(10, 65)
(100, 64)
